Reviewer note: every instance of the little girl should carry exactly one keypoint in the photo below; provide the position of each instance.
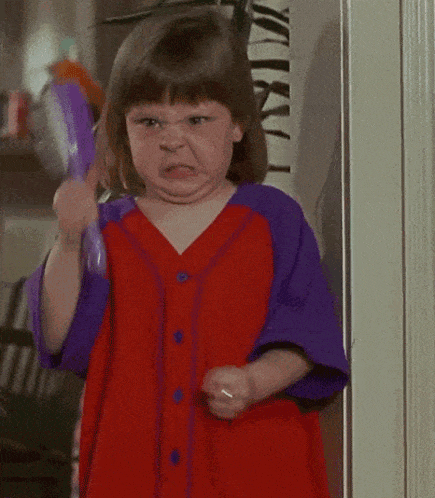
(213, 325)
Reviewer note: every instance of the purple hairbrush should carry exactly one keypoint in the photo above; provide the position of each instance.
(65, 144)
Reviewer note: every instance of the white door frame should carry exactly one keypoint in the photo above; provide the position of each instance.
(419, 188)
(388, 128)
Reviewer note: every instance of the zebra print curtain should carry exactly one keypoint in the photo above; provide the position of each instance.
(269, 52)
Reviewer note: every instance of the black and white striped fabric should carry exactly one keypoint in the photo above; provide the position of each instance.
(13, 305)
(20, 370)
(269, 53)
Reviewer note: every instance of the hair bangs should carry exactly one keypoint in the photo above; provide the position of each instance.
(180, 68)
(160, 88)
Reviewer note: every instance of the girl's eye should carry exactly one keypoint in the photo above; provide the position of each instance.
(148, 122)
(198, 119)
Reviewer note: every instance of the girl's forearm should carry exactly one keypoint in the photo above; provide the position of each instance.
(275, 370)
(61, 287)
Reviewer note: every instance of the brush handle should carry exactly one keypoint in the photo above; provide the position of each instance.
(73, 108)
(94, 251)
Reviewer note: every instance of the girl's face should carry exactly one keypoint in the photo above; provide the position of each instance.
(182, 151)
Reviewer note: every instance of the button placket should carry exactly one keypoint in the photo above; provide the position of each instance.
(178, 396)
(182, 276)
(175, 457)
(176, 451)
(178, 336)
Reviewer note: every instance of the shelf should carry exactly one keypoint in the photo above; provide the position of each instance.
(20, 337)
(18, 155)
(16, 147)
(23, 180)
(26, 183)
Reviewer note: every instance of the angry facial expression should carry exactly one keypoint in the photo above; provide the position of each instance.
(182, 151)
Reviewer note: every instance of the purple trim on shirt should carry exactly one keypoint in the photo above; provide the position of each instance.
(88, 316)
(301, 308)
(33, 287)
(115, 210)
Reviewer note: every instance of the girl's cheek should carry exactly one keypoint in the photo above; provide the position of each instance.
(147, 144)
(204, 142)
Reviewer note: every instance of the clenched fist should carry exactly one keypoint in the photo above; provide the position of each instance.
(76, 206)
(234, 381)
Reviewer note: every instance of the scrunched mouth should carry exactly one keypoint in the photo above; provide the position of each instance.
(179, 171)
(171, 167)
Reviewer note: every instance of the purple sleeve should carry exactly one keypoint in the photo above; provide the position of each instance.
(90, 308)
(85, 326)
(301, 309)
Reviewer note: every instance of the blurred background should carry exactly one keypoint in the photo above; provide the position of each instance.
(295, 49)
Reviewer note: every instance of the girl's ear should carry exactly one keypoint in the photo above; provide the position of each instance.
(238, 132)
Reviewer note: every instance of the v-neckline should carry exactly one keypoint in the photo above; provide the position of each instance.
(166, 239)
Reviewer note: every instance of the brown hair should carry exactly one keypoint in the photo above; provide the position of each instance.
(194, 54)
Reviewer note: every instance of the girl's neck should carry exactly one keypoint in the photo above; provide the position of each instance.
(219, 196)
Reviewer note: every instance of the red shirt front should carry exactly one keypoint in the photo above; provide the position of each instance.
(175, 317)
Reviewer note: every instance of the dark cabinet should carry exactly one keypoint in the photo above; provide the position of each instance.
(110, 36)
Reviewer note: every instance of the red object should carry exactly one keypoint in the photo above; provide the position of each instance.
(18, 113)
(132, 446)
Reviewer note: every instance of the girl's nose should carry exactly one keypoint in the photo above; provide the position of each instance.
(170, 146)
(172, 138)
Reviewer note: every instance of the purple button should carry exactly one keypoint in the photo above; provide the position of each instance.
(182, 276)
(178, 336)
(175, 457)
(178, 395)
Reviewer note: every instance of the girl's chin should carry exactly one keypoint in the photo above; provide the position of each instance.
(182, 192)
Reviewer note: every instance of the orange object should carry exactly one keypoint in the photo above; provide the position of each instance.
(67, 70)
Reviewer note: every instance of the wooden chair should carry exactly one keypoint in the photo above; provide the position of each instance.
(37, 417)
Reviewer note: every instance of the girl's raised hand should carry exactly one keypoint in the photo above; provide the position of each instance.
(76, 207)
(234, 381)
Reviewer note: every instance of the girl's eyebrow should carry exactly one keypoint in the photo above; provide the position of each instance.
(149, 114)
(200, 108)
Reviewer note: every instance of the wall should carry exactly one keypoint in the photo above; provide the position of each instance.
(315, 104)
(48, 24)
(315, 156)
(27, 234)
(11, 37)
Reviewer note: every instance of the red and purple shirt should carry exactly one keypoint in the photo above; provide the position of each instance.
(145, 336)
